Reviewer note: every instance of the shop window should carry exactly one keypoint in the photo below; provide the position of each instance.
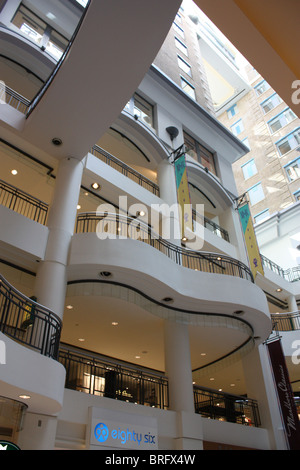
(199, 153)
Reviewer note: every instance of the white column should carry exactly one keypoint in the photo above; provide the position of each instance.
(51, 281)
(260, 386)
(171, 230)
(178, 367)
(292, 304)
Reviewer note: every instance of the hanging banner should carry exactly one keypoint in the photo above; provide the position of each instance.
(285, 394)
(183, 195)
(250, 240)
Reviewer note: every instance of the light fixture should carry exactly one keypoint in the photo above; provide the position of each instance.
(212, 378)
(278, 290)
(14, 172)
(78, 206)
(239, 312)
(56, 141)
(203, 354)
(69, 307)
(138, 357)
(95, 186)
(114, 323)
(105, 274)
(141, 213)
(81, 339)
(184, 239)
(172, 131)
(168, 299)
(25, 397)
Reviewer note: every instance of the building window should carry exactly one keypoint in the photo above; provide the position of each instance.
(140, 108)
(256, 194)
(289, 142)
(246, 142)
(232, 111)
(182, 47)
(199, 153)
(179, 30)
(237, 128)
(35, 29)
(261, 216)
(297, 195)
(184, 66)
(281, 120)
(249, 169)
(188, 88)
(270, 103)
(293, 169)
(261, 88)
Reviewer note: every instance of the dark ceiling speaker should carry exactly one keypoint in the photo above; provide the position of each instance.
(173, 132)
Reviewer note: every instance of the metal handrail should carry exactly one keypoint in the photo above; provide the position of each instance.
(290, 275)
(125, 169)
(23, 203)
(86, 372)
(215, 228)
(28, 322)
(14, 99)
(286, 321)
(117, 225)
(227, 407)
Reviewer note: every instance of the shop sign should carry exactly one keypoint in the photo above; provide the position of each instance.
(126, 432)
(6, 445)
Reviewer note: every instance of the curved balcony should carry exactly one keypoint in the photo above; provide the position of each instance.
(116, 225)
(286, 321)
(27, 322)
(290, 275)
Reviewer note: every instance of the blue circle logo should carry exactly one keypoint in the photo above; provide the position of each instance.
(101, 432)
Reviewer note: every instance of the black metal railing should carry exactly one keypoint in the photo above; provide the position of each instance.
(290, 275)
(28, 322)
(125, 169)
(226, 407)
(116, 225)
(286, 321)
(212, 226)
(14, 99)
(23, 203)
(90, 374)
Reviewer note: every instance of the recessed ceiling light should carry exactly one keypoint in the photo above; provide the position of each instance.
(81, 339)
(95, 186)
(14, 172)
(25, 397)
(212, 378)
(56, 141)
(78, 206)
(69, 307)
(232, 385)
(114, 323)
(184, 239)
(138, 357)
(278, 290)
(50, 16)
(203, 354)
(105, 274)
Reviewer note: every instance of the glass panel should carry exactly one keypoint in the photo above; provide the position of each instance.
(143, 110)
(256, 194)
(181, 46)
(56, 45)
(249, 169)
(184, 66)
(187, 88)
(29, 24)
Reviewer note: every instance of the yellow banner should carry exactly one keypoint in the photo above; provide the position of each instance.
(250, 240)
